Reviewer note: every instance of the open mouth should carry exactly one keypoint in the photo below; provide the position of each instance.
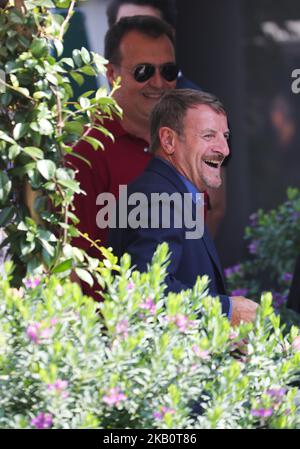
(212, 164)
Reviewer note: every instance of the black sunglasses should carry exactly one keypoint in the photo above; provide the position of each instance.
(143, 72)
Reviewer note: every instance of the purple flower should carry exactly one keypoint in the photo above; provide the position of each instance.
(31, 282)
(148, 304)
(262, 412)
(114, 397)
(232, 270)
(295, 216)
(33, 332)
(253, 247)
(240, 292)
(122, 328)
(59, 387)
(276, 393)
(130, 286)
(253, 219)
(278, 300)
(204, 355)
(42, 421)
(162, 412)
(287, 277)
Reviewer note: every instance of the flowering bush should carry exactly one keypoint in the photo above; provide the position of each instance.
(274, 244)
(141, 359)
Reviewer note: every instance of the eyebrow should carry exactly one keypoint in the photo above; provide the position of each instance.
(211, 130)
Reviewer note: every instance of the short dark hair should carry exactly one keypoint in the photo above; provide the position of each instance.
(167, 9)
(147, 25)
(171, 110)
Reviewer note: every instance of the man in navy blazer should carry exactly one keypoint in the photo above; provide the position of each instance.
(189, 133)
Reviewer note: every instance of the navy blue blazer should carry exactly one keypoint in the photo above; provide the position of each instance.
(189, 257)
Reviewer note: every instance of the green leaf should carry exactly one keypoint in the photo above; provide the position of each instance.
(39, 95)
(35, 153)
(6, 138)
(46, 168)
(85, 55)
(45, 127)
(20, 130)
(48, 247)
(84, 102)
(74, 128)
(63, 266)
(68, 61)
(70, 184)
(14, 151)
(6, 215)
(52, 79)
(88, 70)
(77, 58)
(39, 47)
(5, 187)
(6, 98)
(94, 142)
(44, 3)
(84, 276)
(77, 77)
(58, 46)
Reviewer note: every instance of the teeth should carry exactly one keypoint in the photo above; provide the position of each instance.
(215, 163)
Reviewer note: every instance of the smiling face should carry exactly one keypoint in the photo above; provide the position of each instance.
(138, 99)
(200, 151)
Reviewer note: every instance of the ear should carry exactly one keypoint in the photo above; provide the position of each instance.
(111, 73)
(167, 137)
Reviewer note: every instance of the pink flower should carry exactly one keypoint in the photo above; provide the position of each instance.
(122, 328)
(36, 333)
(59, 386)
(162, 412)
(201, 354)
(33, 332)
(181, 321)
(296, 344)
(233, 335)
(262, 412)
(149, 304)
(42, 421)
(114, 397)
(130, 286)
(32, 282)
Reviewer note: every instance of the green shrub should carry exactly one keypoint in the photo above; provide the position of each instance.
(141, 359)
(274, 244)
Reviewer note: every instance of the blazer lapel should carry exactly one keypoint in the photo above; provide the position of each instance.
(211, 248)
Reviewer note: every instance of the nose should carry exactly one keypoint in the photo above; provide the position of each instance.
(223, 145)
(157, 80)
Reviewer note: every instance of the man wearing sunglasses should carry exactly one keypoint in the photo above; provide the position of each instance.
(140, 50)
(166, 10)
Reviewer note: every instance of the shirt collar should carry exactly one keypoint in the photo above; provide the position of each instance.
(191, 188)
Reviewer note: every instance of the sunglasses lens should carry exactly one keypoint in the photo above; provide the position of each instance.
(143, 72)
(169, 72)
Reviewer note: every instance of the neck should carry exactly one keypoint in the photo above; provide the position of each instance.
(136, 129)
